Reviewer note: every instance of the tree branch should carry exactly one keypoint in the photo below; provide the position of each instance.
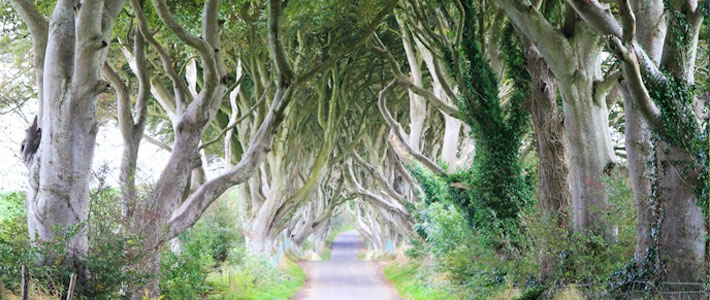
(161, 8)
(381, 50)
(179, 85)
(378, 175)
(36, 23)
(158, 143)
(283, 69)
(236, 122)
(353, 46)
(123, 100)
(400, 144)
(552, 43)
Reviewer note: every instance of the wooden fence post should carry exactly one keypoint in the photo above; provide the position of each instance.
(72, 285)
(25, 283)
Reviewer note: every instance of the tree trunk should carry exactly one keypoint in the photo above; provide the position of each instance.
(452, 129)
(650, 35)
(260, 245)
(417, 105)
(638, 156)
(591, 154)
(127, 178)
(682, 234)
(586, 125)
(58, 197)
(553, 170)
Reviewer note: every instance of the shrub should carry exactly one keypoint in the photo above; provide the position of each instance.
(182, 275)
(483, 260)
(108, 262)
(212, 241)
(256, 278)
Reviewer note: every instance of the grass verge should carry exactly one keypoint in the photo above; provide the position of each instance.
(257, 283)
(288, 288)
(404, 278)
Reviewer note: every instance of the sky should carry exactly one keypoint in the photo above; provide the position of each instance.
(109, 144)
(13, 173)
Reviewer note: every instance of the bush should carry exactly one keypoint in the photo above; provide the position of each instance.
(213, 240)
(14, 239)
(108, 262)
(256, 278)
(483, 260)
(182, 275)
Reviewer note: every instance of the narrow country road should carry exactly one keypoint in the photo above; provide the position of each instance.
(344, 276)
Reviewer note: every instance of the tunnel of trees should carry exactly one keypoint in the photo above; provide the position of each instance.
(500, 148)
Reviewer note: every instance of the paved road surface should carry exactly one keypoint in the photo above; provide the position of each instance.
(345, 276)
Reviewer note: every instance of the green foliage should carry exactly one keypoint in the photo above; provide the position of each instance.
(213, 263)
(213, 240)
(411, 286)
(495, 191)
(182, 275)
(482, 263)
(583, 259)
(110, 252)
(13, 238)
(112, 258)
(256, 278)
(435, 188)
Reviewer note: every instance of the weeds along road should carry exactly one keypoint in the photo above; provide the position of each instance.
(345, 276)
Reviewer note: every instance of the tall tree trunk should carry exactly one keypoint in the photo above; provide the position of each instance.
(650, 35)
(638, 156)
(683, 233)
(553, 170)
(417, 105)
(574, 56)
(591, 153)
(586, 125)
(68, 69)
(452, 129)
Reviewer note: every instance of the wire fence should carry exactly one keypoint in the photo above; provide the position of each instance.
(647, 290)
(669, 290)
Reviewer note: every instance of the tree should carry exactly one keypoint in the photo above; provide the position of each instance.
(665, 105)
(574, 57)
(69, 51)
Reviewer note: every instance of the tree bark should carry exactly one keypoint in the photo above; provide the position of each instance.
(651, 32)
(575, 60)
(550, 142)
(69, 53)
(682, 233)
(591, 154)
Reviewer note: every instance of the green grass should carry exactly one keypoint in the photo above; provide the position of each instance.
(404, 278)
(245, 284)
(326, 253)
(288, 288)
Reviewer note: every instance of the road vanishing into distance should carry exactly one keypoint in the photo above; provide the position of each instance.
(345, 276)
